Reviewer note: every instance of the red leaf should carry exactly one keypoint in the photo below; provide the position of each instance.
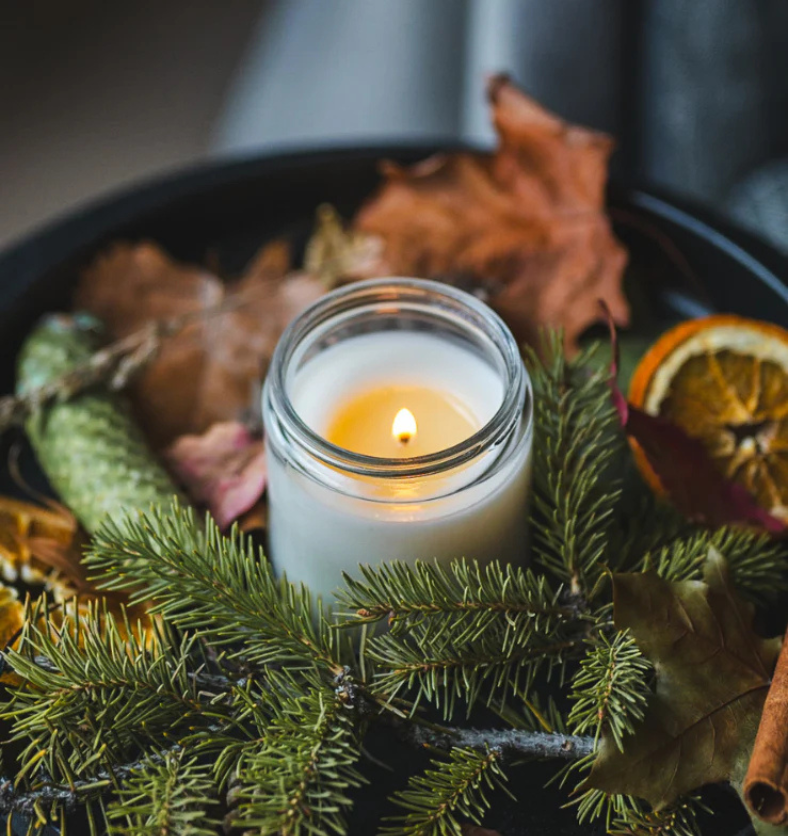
(223, 469)
(690, 477)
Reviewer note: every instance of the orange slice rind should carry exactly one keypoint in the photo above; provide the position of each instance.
(724, 380)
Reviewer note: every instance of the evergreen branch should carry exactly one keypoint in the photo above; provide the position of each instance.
(255, 710)
(447, 671)
(463, 599)
(624, 815)
(756, 561)
(578, 447)
(610, 688)
(509, 744)
(679, 819)
(54, 796)
(296, 780)
(220, 587)
(458, 630)
(164, 798)
(67, 797)
(208, 684)
(103, 694)
(440, 799)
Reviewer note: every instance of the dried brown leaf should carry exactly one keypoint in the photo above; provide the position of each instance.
(526, 222)
(212, 370)
(713, 673)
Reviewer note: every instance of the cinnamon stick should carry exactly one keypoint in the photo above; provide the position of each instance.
(766, 782)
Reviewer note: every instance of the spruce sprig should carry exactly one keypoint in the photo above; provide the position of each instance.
(756, 562)
(578, 449)
(296, 781)
(464, 630)
(218, 586)
(450, 673)
(623, 815)
(680, 819)
(610, 689)
(454, 792)
(175, 796)
(464, 599)
(94, 694)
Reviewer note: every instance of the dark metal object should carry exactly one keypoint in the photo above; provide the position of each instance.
(684, 261)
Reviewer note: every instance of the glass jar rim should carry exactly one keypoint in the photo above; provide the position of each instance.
(403, 291)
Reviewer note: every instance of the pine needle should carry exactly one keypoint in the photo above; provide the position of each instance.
(453, 792)
(296, 780)
(579, 448)
(610, 689)
(220, 587)
(174, 797)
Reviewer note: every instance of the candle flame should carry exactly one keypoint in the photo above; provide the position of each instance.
(404, 426)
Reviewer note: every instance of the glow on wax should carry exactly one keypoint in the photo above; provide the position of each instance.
(363, 423)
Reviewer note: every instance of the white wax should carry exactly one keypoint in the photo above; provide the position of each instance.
(394, 358)
(323, 523)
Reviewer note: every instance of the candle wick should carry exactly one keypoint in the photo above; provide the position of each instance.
(404, 426)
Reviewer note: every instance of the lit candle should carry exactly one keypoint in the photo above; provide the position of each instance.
(398, 422)
(363, 424)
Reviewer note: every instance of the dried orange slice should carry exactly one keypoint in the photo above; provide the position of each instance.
(724, 380)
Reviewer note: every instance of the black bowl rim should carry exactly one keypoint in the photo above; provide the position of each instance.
(76, 229)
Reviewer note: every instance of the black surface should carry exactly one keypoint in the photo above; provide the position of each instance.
(683, 261)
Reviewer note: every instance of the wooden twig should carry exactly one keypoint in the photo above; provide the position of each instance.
(112, 366)
(508, 742)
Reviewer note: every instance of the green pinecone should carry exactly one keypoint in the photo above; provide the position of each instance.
(90, 448)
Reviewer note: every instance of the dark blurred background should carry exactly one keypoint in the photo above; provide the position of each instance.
(95, 95)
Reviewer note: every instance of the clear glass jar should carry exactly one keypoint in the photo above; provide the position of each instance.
(331, 509)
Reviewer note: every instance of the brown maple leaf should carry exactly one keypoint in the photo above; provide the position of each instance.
(212, 370)
(713, 674)
(526, 223)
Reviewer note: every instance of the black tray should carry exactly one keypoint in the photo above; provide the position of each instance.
(684, 262)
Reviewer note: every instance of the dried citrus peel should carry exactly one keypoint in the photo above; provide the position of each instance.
(34, 539)
(724, 381)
